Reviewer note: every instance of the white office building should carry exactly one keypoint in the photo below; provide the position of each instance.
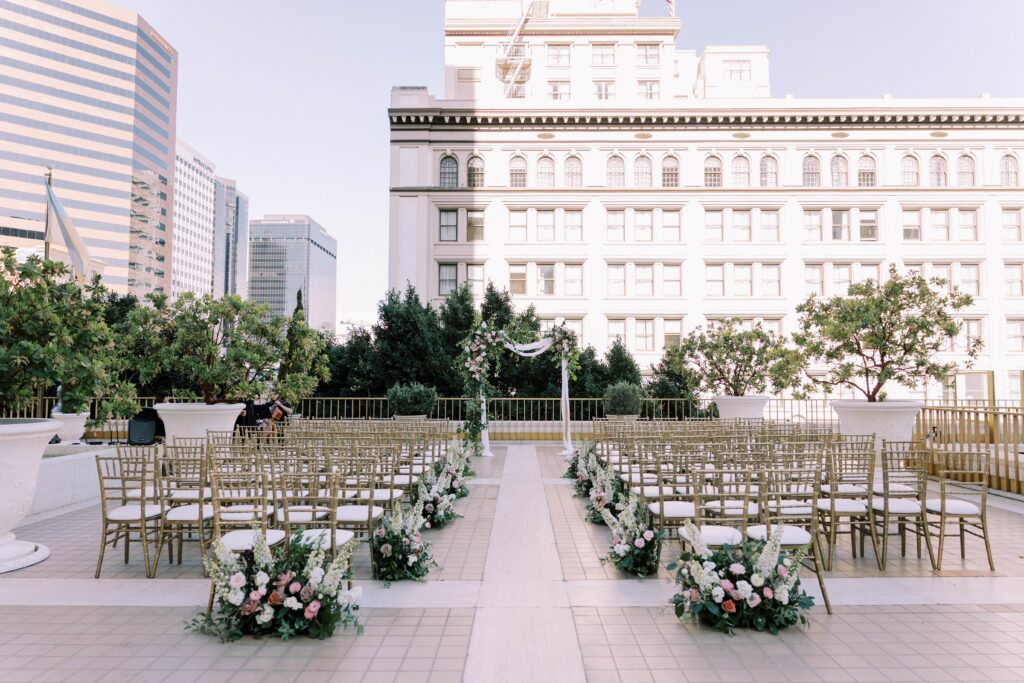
(194, 222)
(580, 159)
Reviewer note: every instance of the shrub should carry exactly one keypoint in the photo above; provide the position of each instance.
(623, 398)
(412, 399)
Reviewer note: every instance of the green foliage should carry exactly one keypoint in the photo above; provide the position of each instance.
(730, 359)
(304, 361)
(352, 367)
(412, 399)
(407, 342)
(399, 551)
(457, 316)
(881, 332)
(623, 398)
(52, 331)
(621, 366)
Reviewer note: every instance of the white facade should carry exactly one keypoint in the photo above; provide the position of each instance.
(689, 193)
(194, 222)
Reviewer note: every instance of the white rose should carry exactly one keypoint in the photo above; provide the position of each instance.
(737, 569)
(262, 579)
(316, 576)
(237, 580)
(236, 597)
(744, 589)
(757, 580)
(265, 615)
(291, 603)
(717, 594)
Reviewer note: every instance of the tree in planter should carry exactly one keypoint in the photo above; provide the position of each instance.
(412, 399)
(882, 332)
(621, 365)
(623, 398)
(304, 362)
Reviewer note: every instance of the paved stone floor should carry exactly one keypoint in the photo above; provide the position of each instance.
(520, 594)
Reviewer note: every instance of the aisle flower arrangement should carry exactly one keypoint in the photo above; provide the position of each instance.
(636, 547)
(458, 468)
(606, 488)
(582, 465)
(286, 592)
(399, 551)
(752, 585)
(435, 500)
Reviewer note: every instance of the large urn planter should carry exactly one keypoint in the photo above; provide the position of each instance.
(73, 425)
(192, 420)
(740, 407)
(22, 442)
(889, 420)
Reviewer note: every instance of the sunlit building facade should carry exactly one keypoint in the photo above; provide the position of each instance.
(194, 222)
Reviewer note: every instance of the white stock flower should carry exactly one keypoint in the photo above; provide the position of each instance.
(782, 595)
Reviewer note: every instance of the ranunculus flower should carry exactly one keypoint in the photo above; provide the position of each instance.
(311, 610)
(754, 600)
(648, 535)
(237, 580)
(295, 587)
(757, 580)
(768, 594)
(255, 595)
(639, 543)
(727, 585)
(717, 594)
(729, 607)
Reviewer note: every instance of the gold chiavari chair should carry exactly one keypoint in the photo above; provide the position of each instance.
(129, 502)
(308, 505)
(677, 486)
(183, 496)
(954, 505)
(850, 469)
(723, 507)
(358, 515)
(241, 510)
(899, 498)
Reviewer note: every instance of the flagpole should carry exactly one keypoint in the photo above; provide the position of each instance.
(46, 225)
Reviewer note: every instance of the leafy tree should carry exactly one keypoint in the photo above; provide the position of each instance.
(407, 340)
(882, 332)
(304, 361)
(621, 366)
(457, 319)
(497, 309)
(591, 377)
(670, 381)
(352, 367)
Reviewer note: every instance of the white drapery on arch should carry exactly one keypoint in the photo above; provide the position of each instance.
(532, 350)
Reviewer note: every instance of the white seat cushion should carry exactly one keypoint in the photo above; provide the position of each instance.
(240, 513)
(791, 535)
(898, 506)
(843, 488)
(639, 478)
(341, 536)
(132, 512)
(897, 489)
(403, 479)
(242, 539)
(188, 513)
(676, 509)
(381, 494)
(715, 535)
(651, 491)
(846, 506)
(137, 492)
(412, 469)
(358, 513)
(731, 507)
(190, 494)
(302, 514)
(953, 507)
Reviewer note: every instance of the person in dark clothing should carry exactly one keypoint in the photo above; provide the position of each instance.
(139, 435)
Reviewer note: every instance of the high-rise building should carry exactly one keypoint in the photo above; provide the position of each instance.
(194, 222)
(292, 252)
(231, 245)
(582, 161)
(89, 89)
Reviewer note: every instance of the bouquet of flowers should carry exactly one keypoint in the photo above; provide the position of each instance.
(582, 466)
(752, 585)
(456, 465)
(438, 505)
(285, 592)
(605, 489)
(636, 547)
(398, 549)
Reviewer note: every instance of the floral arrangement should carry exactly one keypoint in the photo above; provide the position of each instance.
(752, 585)
(636, 547)
(399, 551)
(286, 592)
(435, 500)
(582, 465)
(456, 465)
(606, 488)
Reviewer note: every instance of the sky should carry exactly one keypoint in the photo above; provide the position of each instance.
(290, 97)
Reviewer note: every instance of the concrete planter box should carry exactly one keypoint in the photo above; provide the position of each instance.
(889, 420)
(21, 451)
(191, 420)
(73, 425)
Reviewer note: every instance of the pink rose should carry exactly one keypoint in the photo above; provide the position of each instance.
(295, 587)
(768, 594)
(754, 600)
(385, 550)
(255, 595)
(237, 580)
(311, 610)
(727, 585)
(783, 572)
(639, 542)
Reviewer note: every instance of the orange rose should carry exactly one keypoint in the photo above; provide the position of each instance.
(276, 598)
(729, 606)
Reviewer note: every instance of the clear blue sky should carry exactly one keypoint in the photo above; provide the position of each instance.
(290, 98)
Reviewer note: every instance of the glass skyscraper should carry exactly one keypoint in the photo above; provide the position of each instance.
(231, 240)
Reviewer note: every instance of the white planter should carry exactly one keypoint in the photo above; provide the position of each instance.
(889, 420)
(74, 425)
(21, 450)
(740, 407)
(190, 420)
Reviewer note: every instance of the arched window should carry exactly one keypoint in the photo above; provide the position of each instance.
(965, 171)
(866, 171)
(573, 172)
(670, 172)
(740, 172)
(910, 170)
(812, 171)
(1008, 174)
(712, 172)
(643, 172)
(449, 171)
(769, 172)
(475, 168)
(517, 172)
(545, 172)
(937, 171)
(616, 172)
(840, 171)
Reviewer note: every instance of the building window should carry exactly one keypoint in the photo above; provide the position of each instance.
(449, 172)
(939, 227)
(912, 226)
(1008, 175)
(545, 226)
(616, 226)
(714, 280)
(545, 279)
(545, 172)
(965, 171)
(740, 172)
(769, 172)
(814, 280)
(648, 90)
(673, 333)
(643, 226)
(670, 226)
(1011, 225)
(643, 172)
(573, 172)
(1015, 342)
(870, 271)
(616, 172)
(937, 171)
(604, 90)
(648, 54)
(944, 272)
(771, 279)
(742, 280)
(910, 171)
(447, 278)
(840, 225)
(842, 277)
(644, 335)
(670, 172)
(573, 280)
(616, 331)
(968, 225)
(558, 90)
(475, 169)
(812, 225)
(737, 69)
(741, 226)
(475, 277)
(970, 278)
(1014, 276)
(449, 225)
(811, 171)
(868, 225)
(712, 226)
(970, 332)
(603, 54)
(517, 279)
(712, 172)
(672, 280)
(558, 55)
(516, 91)
(573, 226)
(517, 171)
(769, 226)
(616, 280)
(840, 172)
(475, 226)
(643, 280)
(866, 172)
(517, 226)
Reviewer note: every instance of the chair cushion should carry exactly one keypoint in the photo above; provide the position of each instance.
(188, 513)
(677, 509)
(137, 492)
(302, 514)
(132, 512)
(240, 513)
(381, 494)
(639, 478)
(341, 536)
(242, 539)
(651, 491)
(715, 535)
(898, 489)
(731, 506)
(848, 506)
(190, 494)
(898, 506)
(791, 535)
(358, 513)
(412, 469)
(403, 479)
(954, 506)
(843, 488)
